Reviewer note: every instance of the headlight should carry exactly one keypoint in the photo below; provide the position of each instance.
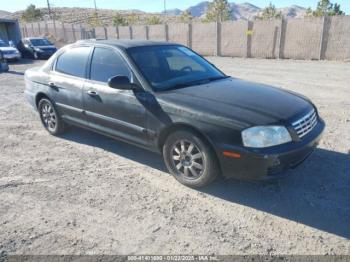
(265, 136)
(38, 49)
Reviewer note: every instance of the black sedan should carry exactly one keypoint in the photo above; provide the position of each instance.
(166, 98)
(36, 48)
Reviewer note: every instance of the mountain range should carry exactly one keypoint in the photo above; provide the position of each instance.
(240, 11)
(5, 14)
(78, 15)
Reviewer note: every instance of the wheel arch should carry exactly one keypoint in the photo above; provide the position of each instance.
(40, 96)
(184, 126)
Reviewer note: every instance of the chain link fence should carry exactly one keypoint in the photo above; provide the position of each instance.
(306, 38)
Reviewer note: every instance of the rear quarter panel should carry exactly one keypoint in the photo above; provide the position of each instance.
(36, 83)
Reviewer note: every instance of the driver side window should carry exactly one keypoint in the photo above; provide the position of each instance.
(179, 61)
(107, 63)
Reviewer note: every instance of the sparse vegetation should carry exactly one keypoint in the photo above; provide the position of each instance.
(31, 14)
(154, 20)
(218, 10)
(94, 21)
(269, 12)
(119, 20)
(132, 19)
(186, 17)
(325, 8)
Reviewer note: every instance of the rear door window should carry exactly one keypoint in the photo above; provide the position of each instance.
(73, 61)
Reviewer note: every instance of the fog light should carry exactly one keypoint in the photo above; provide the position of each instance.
(276, 162)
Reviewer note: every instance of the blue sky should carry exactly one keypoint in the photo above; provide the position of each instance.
(154, 5)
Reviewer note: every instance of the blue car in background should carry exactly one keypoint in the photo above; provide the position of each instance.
(36, 48)
(3, 64)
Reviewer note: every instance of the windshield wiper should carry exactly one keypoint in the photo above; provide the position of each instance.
(217, 78)
(193, 83)
(182, 85)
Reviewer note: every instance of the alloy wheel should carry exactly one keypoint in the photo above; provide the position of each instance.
(188, 160)
(49, 117)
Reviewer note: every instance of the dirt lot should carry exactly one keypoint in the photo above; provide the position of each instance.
(86, 194)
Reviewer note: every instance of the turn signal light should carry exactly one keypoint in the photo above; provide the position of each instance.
(231, 154)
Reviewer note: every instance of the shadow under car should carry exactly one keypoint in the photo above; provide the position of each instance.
(315, 194)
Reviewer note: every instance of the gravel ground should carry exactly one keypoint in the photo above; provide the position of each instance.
(86, 194)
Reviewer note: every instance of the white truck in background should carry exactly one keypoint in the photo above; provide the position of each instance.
(10, 52)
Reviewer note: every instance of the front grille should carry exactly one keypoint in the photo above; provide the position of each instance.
(305, 124)
(49, 49)
(9, 52)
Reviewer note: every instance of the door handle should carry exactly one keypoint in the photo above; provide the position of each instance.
(52, 84)
(92, 93)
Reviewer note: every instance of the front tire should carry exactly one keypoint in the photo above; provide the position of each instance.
(50, 117)
(190, 159)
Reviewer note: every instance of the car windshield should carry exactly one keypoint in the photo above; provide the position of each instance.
(4, 44)
(40, 42)
(171, 66)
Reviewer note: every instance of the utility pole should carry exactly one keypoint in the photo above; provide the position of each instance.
(165, 7)
(49, 7)
(96, 14)
(95, 6)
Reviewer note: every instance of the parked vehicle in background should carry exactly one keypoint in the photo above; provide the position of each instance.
(36, 48)
(3, 63)
(10, 52)
(166, 98)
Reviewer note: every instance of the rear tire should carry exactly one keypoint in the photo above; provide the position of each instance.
(50, 118)
(190, 159)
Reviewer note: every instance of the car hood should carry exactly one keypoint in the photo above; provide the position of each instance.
(236, 101)
(46, 47)
(9, 48)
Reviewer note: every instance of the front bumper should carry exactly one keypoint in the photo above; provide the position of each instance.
(14, 56)
(45, 54)
(268, 163)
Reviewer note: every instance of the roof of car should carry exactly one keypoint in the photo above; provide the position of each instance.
(127, 43)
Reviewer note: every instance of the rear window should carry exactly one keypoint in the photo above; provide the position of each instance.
(73, 61)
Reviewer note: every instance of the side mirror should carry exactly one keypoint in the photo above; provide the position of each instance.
(11, 43)
(121, 82)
